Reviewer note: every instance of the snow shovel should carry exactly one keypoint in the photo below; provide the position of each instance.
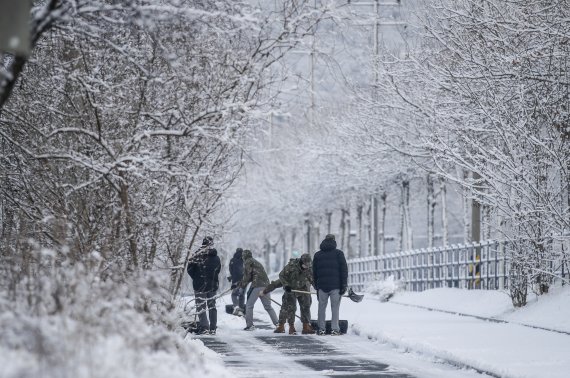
(279, 304)
(351, 294)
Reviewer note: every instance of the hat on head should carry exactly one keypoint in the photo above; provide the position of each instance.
(207, 241)
(329, 236)
(295, 254)
(239, 250)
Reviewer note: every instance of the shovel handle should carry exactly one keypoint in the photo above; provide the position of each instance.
(280, 305)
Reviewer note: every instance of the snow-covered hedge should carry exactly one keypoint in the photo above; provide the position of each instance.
(66, 321)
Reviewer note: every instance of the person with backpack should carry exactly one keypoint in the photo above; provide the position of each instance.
(297, 275)
(254, 273)
(236, 275)
(204, 268)
(330, 275)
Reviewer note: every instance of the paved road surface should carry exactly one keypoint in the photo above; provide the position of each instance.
(262, 353)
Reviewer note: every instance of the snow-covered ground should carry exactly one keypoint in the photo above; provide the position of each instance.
(402, 332)
(504, 349)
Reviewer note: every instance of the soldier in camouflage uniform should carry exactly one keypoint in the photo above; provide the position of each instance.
(297, 275)
(254, 272)
(286, 314)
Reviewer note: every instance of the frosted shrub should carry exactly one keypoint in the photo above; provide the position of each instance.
(385, 289)
(88, 320)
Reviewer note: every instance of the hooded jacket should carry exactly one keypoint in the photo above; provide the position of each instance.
(330, 270)
(236, 266)
(204, 268)
(253, 272)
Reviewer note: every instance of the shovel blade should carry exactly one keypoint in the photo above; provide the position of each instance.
(355, 297)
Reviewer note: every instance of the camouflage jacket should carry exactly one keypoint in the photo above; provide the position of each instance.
(272, 286)
(296, 277)
(253, 272)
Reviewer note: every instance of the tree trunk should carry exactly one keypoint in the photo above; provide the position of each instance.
(293, 237)
(466, 212)
(359, 221)
(375, 230)
(444, 221)
(343, 229)
(401, 231)
(430, 210)
(369, 222)
(382, 242)
(348, 238)
(129, 223)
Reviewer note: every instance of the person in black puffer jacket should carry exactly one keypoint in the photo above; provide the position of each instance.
(236, 274)
(330, 276)
(204, 268)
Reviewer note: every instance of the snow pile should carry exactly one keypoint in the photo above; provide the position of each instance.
(488, 303)
(71, 323)
(384, 289)
(503, 349)
(549, 311)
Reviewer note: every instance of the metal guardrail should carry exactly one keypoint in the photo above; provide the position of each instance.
(470, 266)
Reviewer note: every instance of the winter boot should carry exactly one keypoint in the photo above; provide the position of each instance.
(280, 328)
(292, 330)
(307, 329)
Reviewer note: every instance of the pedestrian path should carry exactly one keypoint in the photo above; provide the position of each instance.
(262, 353)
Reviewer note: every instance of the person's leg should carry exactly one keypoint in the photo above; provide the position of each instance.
(266, 300)
(212, 311)
(283, 314)
(289, 306)
(235, 296)
(323, 302)
(335, 305)
(251, 299)
(241, 298)
(305, 305)
(201, 303)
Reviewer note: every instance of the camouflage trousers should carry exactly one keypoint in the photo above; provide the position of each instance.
(289, 308)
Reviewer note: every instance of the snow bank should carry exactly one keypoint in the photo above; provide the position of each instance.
(506, 350)
(76, 325)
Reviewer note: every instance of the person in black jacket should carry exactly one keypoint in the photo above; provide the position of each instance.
(330, 276)
(236, 274)
(204, 268)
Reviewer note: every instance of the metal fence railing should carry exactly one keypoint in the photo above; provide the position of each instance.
(471, 266)
(482, 265)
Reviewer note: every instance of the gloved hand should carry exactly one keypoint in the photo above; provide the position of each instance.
(342, 290)
(233, 286)
(229, 278)
(287, 288)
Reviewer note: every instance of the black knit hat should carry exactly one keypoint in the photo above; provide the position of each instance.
(207, 241)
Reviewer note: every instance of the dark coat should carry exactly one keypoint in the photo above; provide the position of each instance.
(329, 267)
(204, 268)
(236, 267)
